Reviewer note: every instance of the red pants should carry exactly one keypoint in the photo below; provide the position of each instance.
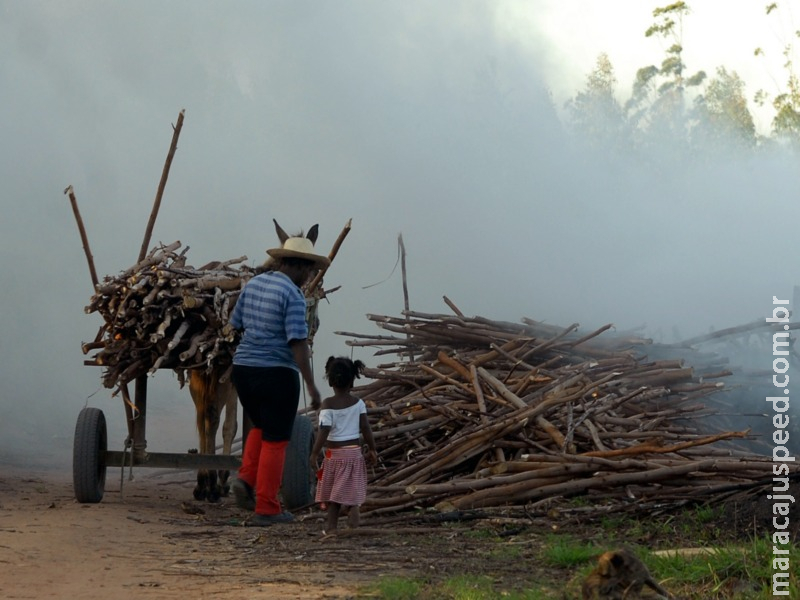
(262, 469)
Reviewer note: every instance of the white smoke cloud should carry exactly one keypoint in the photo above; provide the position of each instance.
(424, 119)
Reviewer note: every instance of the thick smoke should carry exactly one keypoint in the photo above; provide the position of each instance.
(421, 120)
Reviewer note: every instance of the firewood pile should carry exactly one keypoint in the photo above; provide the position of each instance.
(478, 413)
(163, 313)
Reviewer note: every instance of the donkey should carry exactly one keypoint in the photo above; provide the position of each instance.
(211, 396)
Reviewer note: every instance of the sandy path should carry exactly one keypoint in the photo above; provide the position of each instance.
(144, 544)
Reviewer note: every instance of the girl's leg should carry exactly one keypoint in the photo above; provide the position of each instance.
(333, 516)
(354, 518)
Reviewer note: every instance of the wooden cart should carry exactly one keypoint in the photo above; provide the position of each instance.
(91, 457)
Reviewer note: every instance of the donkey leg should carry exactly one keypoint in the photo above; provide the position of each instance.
(201, 389)
(212, 425)
(205, 477)
(227, 394)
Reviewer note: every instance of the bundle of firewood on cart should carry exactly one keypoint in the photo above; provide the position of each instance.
(163, 313)
(479, 413)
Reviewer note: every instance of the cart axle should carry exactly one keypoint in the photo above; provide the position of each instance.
(161, 460)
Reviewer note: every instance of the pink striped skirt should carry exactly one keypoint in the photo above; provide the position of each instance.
(344, 477)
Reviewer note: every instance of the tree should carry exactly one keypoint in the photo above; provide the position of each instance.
(673, 116)
(595, 113)
(722, 116)
(660, 120)
(786, 122)
(657, 103)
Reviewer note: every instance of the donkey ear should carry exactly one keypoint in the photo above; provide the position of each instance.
(312, 234)
(282, 235)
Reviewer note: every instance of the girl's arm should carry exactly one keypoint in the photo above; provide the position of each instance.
(319, 443)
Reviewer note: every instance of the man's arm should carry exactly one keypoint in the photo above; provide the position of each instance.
(302, 356)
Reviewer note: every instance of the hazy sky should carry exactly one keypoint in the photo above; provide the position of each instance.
(437, 120)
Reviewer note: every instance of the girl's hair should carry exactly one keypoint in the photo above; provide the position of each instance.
(341, 372)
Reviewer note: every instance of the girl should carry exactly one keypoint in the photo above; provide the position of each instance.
(342, 417)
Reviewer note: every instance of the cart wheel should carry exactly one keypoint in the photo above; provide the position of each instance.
(298, 479)
(89, 456)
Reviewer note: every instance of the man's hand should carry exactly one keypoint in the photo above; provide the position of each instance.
(316, 400)
(302, 356)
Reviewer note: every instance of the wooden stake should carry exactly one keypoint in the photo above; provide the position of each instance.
(405, 283)
(85, 240)
(334, 251)
(452, 306)
(162, 184)
(403, 271)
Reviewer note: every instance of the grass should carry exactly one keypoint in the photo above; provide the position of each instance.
(734, 570)
(730, 571)
(397, 588)
(563, 551)
(460, 587)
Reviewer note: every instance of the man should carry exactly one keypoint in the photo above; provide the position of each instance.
(272, 355)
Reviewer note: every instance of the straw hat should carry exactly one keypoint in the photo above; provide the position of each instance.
(298, 247)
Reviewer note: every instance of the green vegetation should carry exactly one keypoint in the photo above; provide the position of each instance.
(462, 587)
(397, 588)
(564, 551)
(691, 114)
(554, 565)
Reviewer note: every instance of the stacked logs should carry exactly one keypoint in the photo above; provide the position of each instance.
(481, 413)
(162, 313)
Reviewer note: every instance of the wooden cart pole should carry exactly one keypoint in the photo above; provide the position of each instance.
(84, 239)
(162, 184)
(139, 423)
(140, 389)
(331, 255)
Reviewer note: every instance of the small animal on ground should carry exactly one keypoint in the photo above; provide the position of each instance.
(211, 396)
(620, 575)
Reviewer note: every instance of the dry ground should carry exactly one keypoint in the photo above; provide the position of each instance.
(146, 542)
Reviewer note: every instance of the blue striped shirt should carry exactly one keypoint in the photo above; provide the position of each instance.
(271, 310)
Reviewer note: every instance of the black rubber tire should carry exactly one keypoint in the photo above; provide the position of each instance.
(299, 482)
(88, 456)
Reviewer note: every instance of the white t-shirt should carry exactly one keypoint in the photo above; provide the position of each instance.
(344, 422)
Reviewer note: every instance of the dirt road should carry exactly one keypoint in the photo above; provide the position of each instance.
(147, 542)
(154, 541)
